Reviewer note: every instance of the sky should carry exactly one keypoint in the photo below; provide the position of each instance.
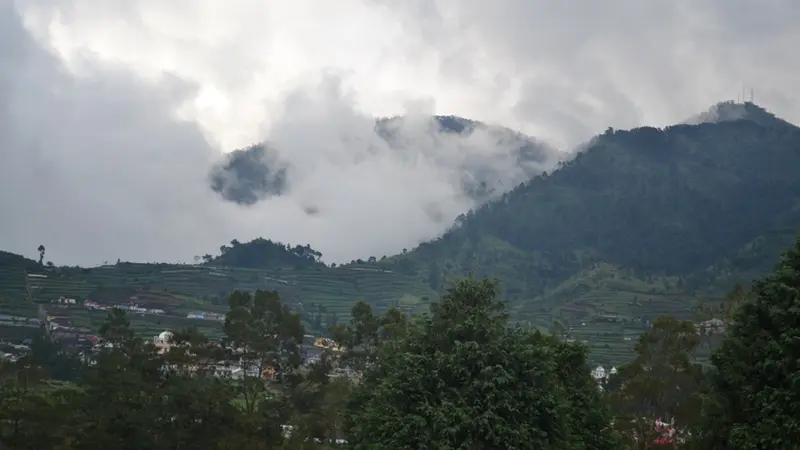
(113, 112)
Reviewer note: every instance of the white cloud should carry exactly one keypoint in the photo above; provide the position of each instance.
(112, 112)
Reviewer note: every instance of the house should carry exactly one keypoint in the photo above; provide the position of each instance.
(712, 326)
(599, 373)
(327, 344)
(163, 342)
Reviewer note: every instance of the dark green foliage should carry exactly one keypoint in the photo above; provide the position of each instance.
(588, 416)
(662, 381)
(756, 384)
(132, 397)
(364, 334)
(264, 253)
(461, 380)
(62, 363)
(13, 260)
(672, 201)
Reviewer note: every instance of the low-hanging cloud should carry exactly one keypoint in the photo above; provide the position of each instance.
(113, 115)
(318, 135)
(344, 166)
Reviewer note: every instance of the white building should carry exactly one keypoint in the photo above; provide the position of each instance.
(599, 373)
(163, 341)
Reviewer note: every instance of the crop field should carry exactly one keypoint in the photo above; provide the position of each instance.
(604, 308)
(14, 299)
(181, 289)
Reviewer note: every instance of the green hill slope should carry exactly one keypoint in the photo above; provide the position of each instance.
(642, 222)
(323, 294)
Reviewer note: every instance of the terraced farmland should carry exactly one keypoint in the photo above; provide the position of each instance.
(14, 300)
(335, 288)
(46, 288)
(603, 307)
(180, 289)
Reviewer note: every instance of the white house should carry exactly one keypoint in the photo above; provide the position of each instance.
(163, 341)
(599, 373)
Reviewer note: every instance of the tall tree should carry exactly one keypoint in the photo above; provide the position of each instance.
(359, 338)
(460, 379)
(661, 382)
(588, 415)
(262, 336)
(364, 334)
(118, 405)
(755, 387)
(41, 251)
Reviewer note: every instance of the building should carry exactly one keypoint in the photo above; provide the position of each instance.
(163, 341)
(712, 326)
(599, 373)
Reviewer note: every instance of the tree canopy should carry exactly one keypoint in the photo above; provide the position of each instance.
(755, 390)
(461, 379)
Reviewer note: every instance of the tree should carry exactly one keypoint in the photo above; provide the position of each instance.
(24, 412)
(262, 335)
(461, 379)
(54, 359)
(588, 414)
(359, 338)
(661, 382)
(119, 399)
(41, 251)
(752, 403)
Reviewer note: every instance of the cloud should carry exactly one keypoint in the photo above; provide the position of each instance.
(375, 188)
(113, 113)
(100, 163)
(577, 67)
(94, 166)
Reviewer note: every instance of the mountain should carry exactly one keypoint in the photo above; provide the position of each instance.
(700, 205)
(638, 224)
(491, 159)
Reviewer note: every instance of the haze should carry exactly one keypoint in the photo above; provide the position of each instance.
(112, 112)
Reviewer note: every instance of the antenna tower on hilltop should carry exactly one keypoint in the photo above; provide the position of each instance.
(742, 97)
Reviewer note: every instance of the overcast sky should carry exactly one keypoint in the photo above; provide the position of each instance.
(112, 111)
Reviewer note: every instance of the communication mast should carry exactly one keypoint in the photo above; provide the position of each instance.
(743, 97)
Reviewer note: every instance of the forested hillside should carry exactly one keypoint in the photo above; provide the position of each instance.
(703, 204)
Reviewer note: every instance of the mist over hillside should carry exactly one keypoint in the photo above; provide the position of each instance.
(730, 111)
(711, 202)
(483, 161)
